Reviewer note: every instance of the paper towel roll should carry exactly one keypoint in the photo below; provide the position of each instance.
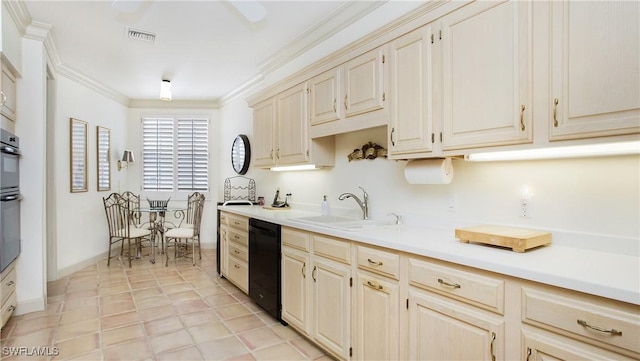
(429, 171)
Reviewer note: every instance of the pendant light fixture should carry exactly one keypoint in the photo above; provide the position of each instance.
(165, 90)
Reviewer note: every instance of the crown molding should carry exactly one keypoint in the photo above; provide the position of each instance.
(19, 14)
(338, 20)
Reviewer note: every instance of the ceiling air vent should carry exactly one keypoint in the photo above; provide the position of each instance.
(141, 35)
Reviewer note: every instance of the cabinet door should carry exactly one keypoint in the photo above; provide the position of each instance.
(595, 76)
(292, 126)
(487, 75)
(263, 147)
(332, 307)
(537, 347)
(223, 251)
(364, 83)
(295, 293)
(8, 93)
(442, 330)
(378, 318)
(412, 88)
(324, 94)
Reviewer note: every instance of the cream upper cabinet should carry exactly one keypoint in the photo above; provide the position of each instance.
(264, 122)
(487, 93)
(325, 91)
(351, 96)
(412, 113)
(364, 83)
(595, 76)
(8, 93)
(292, 138)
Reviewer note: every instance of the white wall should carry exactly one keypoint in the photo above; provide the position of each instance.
(81, 235)
(30, 127)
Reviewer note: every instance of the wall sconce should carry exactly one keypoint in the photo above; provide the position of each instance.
(127, 158)
(165, 90)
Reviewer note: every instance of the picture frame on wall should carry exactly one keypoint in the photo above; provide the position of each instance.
(103, 158)
(78, 155)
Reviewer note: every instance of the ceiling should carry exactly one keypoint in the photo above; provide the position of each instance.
(207, 49)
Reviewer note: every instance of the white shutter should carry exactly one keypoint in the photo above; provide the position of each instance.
(157, 154)
(193, 154)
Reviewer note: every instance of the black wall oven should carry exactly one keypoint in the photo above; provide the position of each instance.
(9, 198)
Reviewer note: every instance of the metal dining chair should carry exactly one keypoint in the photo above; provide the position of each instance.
(188, 231)
(122, 220)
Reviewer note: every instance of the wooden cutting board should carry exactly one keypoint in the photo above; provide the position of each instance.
(519, 240)
(270, 208)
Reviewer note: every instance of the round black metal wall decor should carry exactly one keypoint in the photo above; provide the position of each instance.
(241, 154)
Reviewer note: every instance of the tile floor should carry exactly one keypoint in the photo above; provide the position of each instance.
(152, 312)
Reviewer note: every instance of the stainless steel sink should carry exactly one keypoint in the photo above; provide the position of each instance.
(344, 223)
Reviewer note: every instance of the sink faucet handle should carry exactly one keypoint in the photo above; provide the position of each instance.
(398, 217)
(366, 195)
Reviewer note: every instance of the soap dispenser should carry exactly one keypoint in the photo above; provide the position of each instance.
(325, 207)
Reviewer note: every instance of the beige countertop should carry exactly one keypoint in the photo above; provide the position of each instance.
(609, 275)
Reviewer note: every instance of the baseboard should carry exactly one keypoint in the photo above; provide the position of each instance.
(86, 263)
(28, 306)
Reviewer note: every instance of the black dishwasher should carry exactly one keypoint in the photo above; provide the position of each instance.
(264, 265)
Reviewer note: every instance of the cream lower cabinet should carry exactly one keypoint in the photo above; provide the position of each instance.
(404, 306)
(377, 329)
(296, 295)
(8, 293)
(447, 312)
(332, 306)
(316, 289)
(595, 77)
(235, 259)
(440, 329)
(540, 346)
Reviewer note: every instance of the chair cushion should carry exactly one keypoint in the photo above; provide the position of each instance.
(179, 233)
(133, 232)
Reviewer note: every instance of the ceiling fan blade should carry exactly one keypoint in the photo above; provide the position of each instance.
(250, 9)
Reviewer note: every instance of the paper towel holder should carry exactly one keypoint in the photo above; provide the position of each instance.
(429, 171)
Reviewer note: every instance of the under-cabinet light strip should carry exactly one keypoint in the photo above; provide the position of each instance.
(574, 151)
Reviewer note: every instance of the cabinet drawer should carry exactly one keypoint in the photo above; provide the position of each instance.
(379, 261)
(608, 325)
(238, 252)
(8, 307)
(481, 291)
(8, 284)
(238, 273)
(238, 222)
(296, 239)
(332, 248)
(239, 237)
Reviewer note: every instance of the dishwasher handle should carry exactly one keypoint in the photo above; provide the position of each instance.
(263, 231)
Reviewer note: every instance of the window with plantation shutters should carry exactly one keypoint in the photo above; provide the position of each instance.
(193, 155)
(175, 154)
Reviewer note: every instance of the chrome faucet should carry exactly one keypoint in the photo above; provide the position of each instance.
(364, 204)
